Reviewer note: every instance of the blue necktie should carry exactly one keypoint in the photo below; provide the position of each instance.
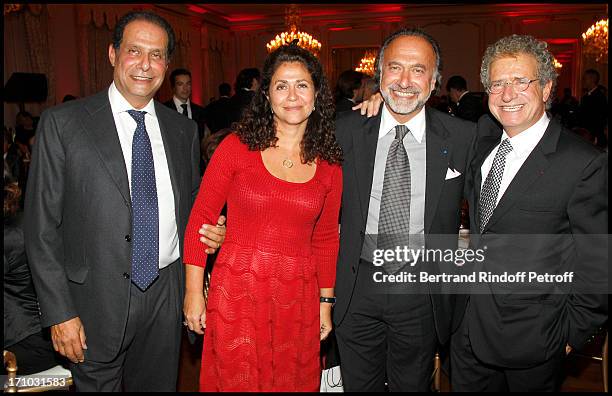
(145, 212)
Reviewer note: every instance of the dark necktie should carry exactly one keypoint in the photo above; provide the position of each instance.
(145, 213)
(394, 215)
(490, 188)
(185, 113)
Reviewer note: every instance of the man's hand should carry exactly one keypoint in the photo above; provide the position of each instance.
(213, 236)
(370, 106)
(568, 349)
(69, 339)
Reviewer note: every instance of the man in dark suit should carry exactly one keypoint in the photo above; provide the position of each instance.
(180, 81)
(247, 83)
(347, 90)
(467, 105)
(403, 175)
(217, 113)
(538, 204)
(593, 108)
(112, 181)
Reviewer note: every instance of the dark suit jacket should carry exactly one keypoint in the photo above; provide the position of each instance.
(197, 115)
(218, 114)
(470, 107)
(448, 145)
(239, 102)
(344, 104)
(21, 318)
(78, 215)
(593, 113)
(557, 196)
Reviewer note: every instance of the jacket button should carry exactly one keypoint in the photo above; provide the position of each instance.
(126, 275)
(128, 238)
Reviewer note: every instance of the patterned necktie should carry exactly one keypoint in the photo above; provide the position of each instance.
(185, 113)
(145, 213)
(490, 188)
(394, 215)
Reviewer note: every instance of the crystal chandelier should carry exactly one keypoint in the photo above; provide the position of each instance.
(8, 8)
(366, 65)
(595, 41)
(292, 22)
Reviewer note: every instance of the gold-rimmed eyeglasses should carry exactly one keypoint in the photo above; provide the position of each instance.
(519, 84)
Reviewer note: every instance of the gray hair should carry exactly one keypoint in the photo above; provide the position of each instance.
(415, 32)
(521, 44)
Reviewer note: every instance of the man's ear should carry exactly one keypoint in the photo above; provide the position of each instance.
(546, 91)
(111, 54)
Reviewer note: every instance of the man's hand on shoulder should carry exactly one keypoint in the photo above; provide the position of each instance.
(370, 106)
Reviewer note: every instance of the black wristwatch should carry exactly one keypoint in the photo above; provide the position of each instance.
(331, 300)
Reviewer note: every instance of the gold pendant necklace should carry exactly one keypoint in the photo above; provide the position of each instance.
(287, 163)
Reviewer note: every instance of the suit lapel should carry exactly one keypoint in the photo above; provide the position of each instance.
(100, 124)
(171, 136)
(438, 153)
(365, 139)
(533, 168)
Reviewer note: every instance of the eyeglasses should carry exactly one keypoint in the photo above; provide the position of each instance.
(520, 85)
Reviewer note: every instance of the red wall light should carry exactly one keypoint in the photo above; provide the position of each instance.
(387, 8)
(197, 9)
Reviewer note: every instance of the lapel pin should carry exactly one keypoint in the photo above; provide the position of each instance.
(444, 151)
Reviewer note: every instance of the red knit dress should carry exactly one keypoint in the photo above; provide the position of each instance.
(262, 317)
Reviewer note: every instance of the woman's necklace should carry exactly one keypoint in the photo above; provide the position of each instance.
(287, 163)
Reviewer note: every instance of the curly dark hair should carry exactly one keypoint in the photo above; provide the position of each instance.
(256, 128)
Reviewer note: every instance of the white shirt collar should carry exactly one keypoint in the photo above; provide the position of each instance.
(179, 102)
(119, 104)
(461, 96)
(416, 125)
(524, 142)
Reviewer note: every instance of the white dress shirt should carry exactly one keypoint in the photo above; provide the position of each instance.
(178, 103)
(522, 145)
(126, 126)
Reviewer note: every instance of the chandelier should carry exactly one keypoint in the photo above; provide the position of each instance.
(366, 65)
(595, 41)
(8, 8)
(292, 22)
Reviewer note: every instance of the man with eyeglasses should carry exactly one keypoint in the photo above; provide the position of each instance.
(538, 204)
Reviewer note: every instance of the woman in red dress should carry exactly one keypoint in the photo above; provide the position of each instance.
(280, 175)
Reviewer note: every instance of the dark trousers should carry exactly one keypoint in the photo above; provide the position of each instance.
(386, 337)
(149, 355)
(469, 374)
(35, 353)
